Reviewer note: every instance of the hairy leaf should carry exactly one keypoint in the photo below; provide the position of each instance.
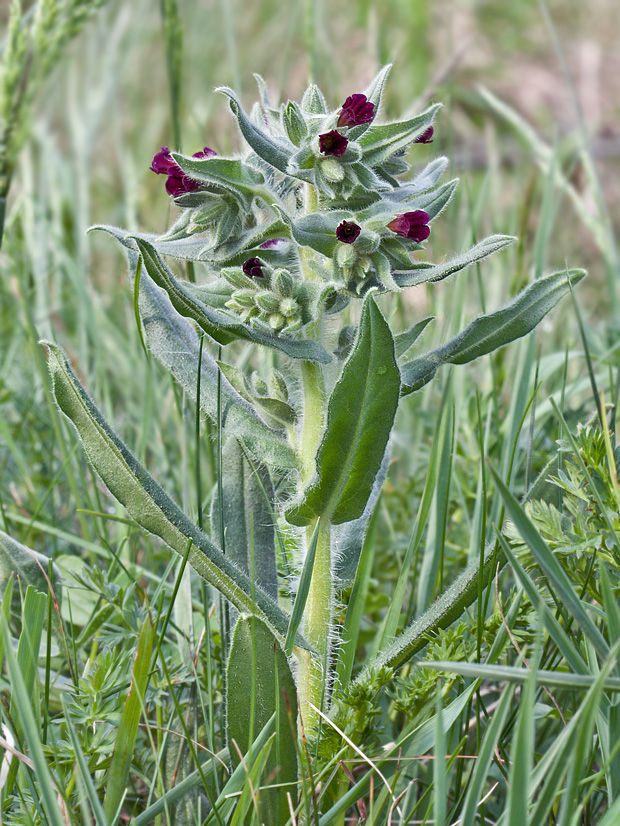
(381, 141)
(424, 272)
(488, 332)
(174, 342)
(147, 502)
(360, 416)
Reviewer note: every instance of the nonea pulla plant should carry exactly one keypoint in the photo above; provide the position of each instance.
(319, 215)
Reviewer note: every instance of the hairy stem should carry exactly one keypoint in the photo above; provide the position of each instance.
(317, 626)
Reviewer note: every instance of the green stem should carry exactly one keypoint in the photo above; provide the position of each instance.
(312, 427)
(317, 627)
(318, 610)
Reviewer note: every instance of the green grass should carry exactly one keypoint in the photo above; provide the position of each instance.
(473, 743)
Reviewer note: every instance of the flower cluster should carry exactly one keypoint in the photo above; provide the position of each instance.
(317, 201)
(178, 182)
(265, 295)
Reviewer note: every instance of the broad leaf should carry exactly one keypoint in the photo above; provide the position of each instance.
(360, 416)
(148, 503)
(488, 332)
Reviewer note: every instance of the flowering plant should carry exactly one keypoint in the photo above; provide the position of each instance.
(318, 214)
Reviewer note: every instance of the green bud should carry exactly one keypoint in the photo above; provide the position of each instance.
(346, 255)
(283, 283)
(260, 385)
(276, 321)
(294, 122)
(267, 301)
(289, 307)
(332, 170)
(368, 241)
(277, 385)
(244, 298)
(236, 278)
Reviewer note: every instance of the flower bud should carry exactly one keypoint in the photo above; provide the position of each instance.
(267, 301)
(346, 256)
(283, 283)
(332, 170)
(276, 321)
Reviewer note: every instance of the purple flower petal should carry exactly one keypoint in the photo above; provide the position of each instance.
(413, 225)
(426, 136)
(356, 109)
(253, 268)
(206, 152)
(271, 244)
(333, 143)
(347, 232)
(162, 162)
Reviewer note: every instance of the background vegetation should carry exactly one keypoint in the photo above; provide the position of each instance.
(95, 102)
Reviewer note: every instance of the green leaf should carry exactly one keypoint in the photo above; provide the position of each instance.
(380, 141)
(409, 337)
(222, 327)
(27, 565)
(360, 416)
(425, 272)
(21, 697)
(147, 502)
(488, 332)
(118, 774)
(260, 683)
(248, 512)
(275, 151)
(242, 181)
(174, 342)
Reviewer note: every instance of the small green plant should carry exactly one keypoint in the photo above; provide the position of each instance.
(304, 232)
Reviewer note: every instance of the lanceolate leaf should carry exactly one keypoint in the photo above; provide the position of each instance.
(222, 327)
(148, 503)
(488, 332)
(408, 338)
(174, 342)
(360, 416)
(425, 272)
(275, 151)
(380, 141)
(248, 512)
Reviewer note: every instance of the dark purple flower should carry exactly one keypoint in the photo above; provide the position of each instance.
(356, 109)
(333, 143)
(162, 162)
(178, 182)
(253, 268)
(412, 225)
(207, 152)
(426, 136)
(347, 232)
